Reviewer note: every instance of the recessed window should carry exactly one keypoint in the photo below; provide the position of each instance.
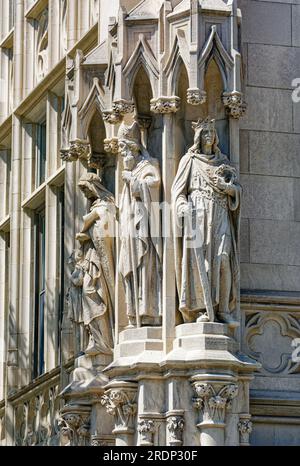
(41, 154)
(39, 314)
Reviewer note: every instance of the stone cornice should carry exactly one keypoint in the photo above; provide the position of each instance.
(5, 224)
(8, 41)
(5, 129)
(36, 9)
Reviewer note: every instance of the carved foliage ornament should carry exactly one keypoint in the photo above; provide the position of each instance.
(81, 150)
(146, 429)
(175, 426)
(165, 104)
(120, 404)
(233, 101)
(75, 429)
(212, 404)
(196, 96)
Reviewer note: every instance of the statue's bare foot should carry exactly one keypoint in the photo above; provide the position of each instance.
(226, 318)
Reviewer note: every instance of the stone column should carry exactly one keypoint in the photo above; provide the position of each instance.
(120, 401)
(168, 106)
(212, 402)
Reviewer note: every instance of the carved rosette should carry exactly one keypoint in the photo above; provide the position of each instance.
(175, 427)
(123, 106)
(146, 429)
(196, 96)
(111, 145)
(75, 429)
(245, 429)
(121, 404)
(234, 103)
(165, 105)
(212, 404)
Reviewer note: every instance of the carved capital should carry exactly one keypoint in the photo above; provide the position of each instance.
(121, 404)
(146, 429)
(123, 106)
(81, 150)
(165, 104)
(234, 103)
(175, 426)
(111, 117)
(245, 428)
(111, 145)
(75, 428)
(196, 96)
(212, 404)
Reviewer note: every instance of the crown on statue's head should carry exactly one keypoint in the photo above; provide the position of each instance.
(206, 124)
(130, 133)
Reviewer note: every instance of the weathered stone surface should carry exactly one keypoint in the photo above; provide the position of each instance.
(270, 277)
(274, 154)
(266, 23)
(268, 110)
(274, 242)
(273, 66)
(268, 197)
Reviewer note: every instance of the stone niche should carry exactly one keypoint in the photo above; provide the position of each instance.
(137, 107)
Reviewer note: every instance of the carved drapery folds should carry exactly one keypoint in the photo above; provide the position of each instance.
(131, 100)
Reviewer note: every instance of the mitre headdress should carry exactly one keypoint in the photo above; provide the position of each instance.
(130, 133)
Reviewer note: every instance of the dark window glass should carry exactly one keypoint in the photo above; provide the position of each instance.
(39, 317)
(41, 154)
(61, 234)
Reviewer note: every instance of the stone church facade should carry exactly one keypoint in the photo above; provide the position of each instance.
(119, 119)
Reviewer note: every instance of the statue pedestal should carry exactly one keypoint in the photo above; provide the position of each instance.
(139, 345)
(197, 394)
(84, 419)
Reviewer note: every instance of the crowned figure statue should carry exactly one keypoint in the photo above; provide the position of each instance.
(140, 251)
(206, 217)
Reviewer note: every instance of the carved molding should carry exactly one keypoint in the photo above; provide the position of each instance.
(264, 328)
(211, 403)
(234, 103)
(196, 96)
(175, 427)
(165, 104)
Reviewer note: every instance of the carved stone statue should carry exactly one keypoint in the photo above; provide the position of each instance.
(206, 215)
(96, 267)
(140, 252)
(74, 300)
